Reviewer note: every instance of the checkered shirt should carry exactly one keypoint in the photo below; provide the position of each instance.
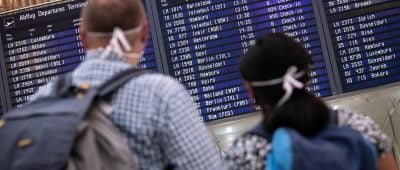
(156, 114)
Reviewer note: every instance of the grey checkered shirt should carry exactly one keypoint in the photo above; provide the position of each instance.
(156, 114)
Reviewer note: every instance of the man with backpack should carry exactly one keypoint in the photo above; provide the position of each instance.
(154, 112)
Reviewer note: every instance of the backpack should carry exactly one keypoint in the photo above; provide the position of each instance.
(67, 130)
(332, 149)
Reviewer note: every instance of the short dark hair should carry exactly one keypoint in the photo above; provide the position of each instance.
(104, 15)
(270, 58)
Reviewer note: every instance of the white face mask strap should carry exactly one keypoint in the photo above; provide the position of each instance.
(119, 39)
(118, 43)
(289, 82)
(110, 34)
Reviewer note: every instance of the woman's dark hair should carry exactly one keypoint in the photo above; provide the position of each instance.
(270, 58)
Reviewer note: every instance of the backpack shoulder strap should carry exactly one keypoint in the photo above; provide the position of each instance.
(118, 80)
(62, 85)
(333, 116)
(259, 131)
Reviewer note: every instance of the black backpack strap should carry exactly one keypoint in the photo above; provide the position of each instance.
(116, 81)
(63, 85)
(259, 131)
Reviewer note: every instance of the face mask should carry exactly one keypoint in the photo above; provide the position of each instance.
(120, 45)
(289, 83)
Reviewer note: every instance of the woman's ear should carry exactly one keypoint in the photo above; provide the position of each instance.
(249, 88)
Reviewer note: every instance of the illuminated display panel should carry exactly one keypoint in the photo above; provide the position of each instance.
(200, 44)
(41, 43)
(204, 40)
(365, 37)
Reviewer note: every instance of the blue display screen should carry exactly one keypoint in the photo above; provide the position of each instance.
(41, 43)
(204, 41)
(354, 45)
(366, 42)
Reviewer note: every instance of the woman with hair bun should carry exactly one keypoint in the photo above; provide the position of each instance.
(276, 70)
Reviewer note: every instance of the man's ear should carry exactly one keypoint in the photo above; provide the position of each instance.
(144, 34)
(140, 41)
(83, 36)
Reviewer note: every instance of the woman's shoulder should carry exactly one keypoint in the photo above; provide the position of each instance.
(248, 152)
(366, 126)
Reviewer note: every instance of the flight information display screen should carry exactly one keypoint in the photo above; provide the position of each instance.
(41, 43)
(204, 40)
(354, 44)
(365, 37)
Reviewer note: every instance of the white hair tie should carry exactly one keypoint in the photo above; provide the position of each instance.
(289, 82)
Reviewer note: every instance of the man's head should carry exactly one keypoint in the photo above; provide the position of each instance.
(102, 16)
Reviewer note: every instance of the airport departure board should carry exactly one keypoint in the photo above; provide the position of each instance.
(354, 44)
(366, 41)
(40, 43)
(204, 40)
